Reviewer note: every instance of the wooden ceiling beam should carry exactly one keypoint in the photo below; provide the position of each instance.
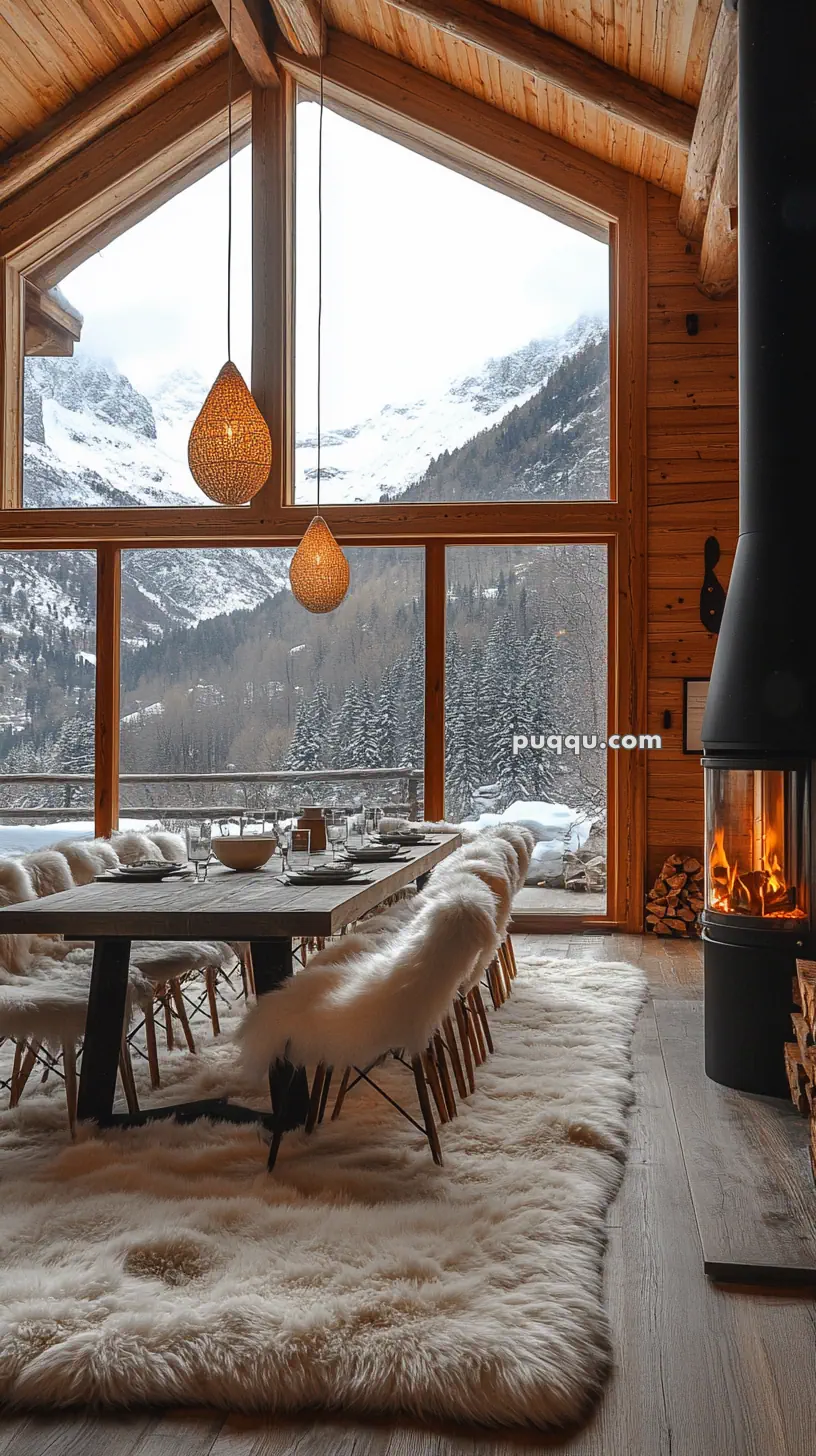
(706, 144)
(253, 34)
(90, 191)
(302, 25)
(718, 255)
(132, 86)
(557, 62)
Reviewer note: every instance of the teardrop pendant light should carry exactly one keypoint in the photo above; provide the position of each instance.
(319, 571)
(230, 449)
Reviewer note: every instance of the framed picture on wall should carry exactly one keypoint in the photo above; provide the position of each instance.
(695, 692)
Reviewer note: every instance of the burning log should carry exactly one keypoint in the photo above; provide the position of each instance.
(675, 900)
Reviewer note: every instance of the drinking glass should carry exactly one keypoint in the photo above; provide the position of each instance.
(199, 845)
(284, 820)
(372, 821)
(356, 825)
(336, 829)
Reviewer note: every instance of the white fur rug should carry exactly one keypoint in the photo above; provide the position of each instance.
(164, 1265)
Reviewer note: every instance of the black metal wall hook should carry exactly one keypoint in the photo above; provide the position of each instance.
(712, 594)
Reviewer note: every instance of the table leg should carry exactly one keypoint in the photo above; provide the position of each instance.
(422, 880)
(288, 1084)
(103, 1031)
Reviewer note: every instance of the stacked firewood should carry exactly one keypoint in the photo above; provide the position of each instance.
(674, 903)
(800, 1055)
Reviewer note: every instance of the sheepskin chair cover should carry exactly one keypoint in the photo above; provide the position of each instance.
(49, 871)
(83, 861)
(521, 840)
(158, 961)
(50, 1004)
(16, 887)
(134, 848)
(170, 846)
(394, 996)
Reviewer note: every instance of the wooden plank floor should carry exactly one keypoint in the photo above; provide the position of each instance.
(748, 1165)
(700, 1371)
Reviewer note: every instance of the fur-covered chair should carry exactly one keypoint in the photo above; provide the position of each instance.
(388, 999)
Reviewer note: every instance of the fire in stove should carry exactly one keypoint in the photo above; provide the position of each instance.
(762, 891)
(755, 842)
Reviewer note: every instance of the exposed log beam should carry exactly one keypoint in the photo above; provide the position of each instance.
(718, 256)
(132, 86)
(558, 63)
(301, 24)
(707, 141)
(253, 34)
(51, 327)
(88, 192)
(464, 133)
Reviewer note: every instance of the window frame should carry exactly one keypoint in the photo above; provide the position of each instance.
(53, 224)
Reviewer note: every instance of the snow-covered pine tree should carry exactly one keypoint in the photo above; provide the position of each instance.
(304, 750)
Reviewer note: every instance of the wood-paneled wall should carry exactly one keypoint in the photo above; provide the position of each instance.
(692, 494)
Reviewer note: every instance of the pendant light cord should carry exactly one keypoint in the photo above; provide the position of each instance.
(319, 262)
(229, 187)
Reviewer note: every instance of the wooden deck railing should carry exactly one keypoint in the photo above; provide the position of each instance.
(409, 779)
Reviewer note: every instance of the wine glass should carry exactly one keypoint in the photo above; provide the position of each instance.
(336, 829)
(199, 845)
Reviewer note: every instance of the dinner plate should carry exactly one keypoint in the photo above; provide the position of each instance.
(376, 852)
(299, 877)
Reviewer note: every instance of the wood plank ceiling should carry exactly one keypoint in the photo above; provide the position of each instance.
(53, 50)
(664, 43)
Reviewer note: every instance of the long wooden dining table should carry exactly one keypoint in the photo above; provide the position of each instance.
(255, 907)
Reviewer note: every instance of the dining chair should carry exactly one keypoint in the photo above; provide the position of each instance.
(381, 1002)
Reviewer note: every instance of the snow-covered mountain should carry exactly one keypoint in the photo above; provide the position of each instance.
(384, 454)
(91, 439)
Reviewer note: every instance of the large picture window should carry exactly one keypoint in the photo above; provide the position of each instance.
(465, 335)
(108, 424)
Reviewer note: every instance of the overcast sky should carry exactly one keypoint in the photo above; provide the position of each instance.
(426, 275)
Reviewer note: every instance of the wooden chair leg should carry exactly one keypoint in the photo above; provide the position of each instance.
(492, 985)
(69, 1068)
(27, 1063)
(152, 1047)
(164, 997)
(504, 967)
(476, 1030)
(210, 977)
(19, 1048)
(452, 1049)
(128, 1079)
(250, 969)
(316, 1098)
(341, 1095)
(181, 1012)
(482, 1015)
(425, 1106)
(438, 1053)
(325, 1093)
(464, 1036)
(432, 1078)
(511, 955)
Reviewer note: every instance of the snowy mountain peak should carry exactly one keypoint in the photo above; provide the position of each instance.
(90, 386)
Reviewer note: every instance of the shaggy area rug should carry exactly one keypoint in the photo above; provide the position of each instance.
(164, 1266)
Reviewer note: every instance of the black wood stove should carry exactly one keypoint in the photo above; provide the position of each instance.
(759, 731)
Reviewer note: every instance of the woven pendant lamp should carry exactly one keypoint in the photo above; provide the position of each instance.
(230, 448)
(319, 572)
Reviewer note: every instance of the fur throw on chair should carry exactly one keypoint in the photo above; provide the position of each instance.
(15, 887)
(171, 846)
(49, 870)
(135, 848)
(352, 1013)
